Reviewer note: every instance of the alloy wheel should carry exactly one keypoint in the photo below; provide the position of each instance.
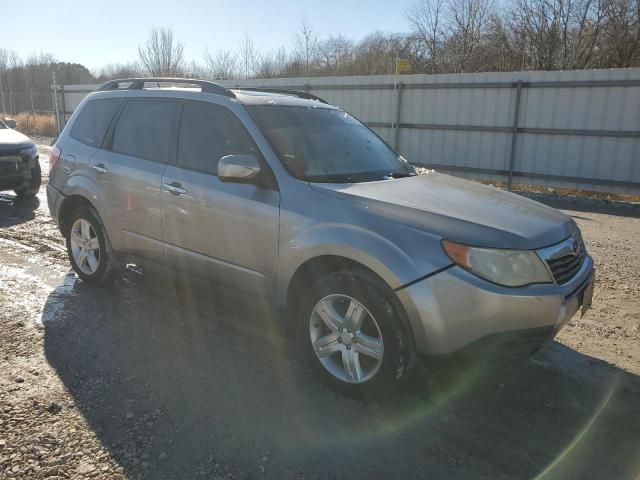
(346, 338)
(85, 246)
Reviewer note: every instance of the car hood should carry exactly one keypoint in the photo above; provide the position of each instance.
(460, 210)
(11, 139)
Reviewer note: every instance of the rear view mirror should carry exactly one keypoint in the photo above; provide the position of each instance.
(10, 122)
(238, 168)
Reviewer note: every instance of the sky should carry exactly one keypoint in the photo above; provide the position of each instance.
(97, 33)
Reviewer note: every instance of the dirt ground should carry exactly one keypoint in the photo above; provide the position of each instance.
(162, 378)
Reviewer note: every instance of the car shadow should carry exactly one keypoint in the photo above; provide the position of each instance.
(15, 210)
(201, 380)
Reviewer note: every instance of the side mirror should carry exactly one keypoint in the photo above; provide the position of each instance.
(10, 122)
(238, 168)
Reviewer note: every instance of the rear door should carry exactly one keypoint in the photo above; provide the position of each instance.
(85, 138)
(129, 170)
(227, 232)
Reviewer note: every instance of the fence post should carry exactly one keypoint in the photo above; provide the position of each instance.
(4, 111)
(54, 87)
(64, 107)
(396, 144)
(514, 134)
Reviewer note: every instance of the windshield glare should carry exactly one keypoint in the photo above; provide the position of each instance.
(327, 145)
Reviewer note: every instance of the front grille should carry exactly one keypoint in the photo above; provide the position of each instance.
(8, 168)
(565, 267)
(10, 153)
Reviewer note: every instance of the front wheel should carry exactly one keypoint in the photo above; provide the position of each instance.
(353, 334)
(89, 248)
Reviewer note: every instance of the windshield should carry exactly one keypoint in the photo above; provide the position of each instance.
(2, 125)
(327, 145)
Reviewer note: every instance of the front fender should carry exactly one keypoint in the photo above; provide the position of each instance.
(355, 243)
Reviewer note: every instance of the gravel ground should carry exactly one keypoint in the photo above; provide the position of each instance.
(164, 378)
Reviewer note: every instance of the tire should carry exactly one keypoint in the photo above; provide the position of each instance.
(376, 354)
(34, 184)
(97, 266)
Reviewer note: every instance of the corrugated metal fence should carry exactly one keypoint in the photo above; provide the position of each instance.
(575, 129)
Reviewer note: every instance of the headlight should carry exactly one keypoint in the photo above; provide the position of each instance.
(30, 152)
(511, 268)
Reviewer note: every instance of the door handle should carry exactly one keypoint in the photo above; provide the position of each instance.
(175, 188)
(100, 168)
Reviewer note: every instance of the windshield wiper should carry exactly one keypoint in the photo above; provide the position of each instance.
(399, 175)
(357, 177)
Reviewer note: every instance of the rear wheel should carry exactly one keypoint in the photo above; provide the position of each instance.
(89, 248)
(32, 189)
(352, 333)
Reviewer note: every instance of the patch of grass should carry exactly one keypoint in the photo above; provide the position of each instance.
(36, 124)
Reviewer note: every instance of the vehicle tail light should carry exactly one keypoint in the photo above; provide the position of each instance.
(54, 156)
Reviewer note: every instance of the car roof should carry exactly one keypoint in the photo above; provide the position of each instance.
(257, 97)
(145, 87)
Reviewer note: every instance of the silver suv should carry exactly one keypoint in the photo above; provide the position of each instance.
(284, 196)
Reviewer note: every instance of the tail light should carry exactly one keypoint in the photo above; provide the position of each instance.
(54, 156)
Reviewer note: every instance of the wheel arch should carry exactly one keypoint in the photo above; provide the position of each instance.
(68, 205)
(323, 265)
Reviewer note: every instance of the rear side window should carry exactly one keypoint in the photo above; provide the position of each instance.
(208, 132)
(93, 121)
(144, 129)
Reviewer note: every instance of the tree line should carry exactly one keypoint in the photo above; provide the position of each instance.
(443, 36)
(25, 84)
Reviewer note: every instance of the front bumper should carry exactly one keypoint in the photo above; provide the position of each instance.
(15, 171)
(455, 309)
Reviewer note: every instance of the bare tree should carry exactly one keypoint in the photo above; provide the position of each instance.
(248, 56)
(426, 20)
(267, 66)
(306, 44)
(221, 65)
(162, 55)
(376, 53)
(335, 54)
(467, 26)
(621, 34)
(561, 34)
(119, 70)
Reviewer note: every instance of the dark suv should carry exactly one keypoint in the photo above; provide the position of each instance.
(19, 163)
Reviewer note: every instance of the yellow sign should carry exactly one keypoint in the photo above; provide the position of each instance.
(403, 66)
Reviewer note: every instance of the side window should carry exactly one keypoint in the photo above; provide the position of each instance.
(144, 129)
(93, 121)
(208, 132)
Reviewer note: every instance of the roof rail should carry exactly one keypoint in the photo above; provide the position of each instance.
(138, 84)
(294, 93)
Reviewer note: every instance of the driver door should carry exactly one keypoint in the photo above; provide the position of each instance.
(222, 231)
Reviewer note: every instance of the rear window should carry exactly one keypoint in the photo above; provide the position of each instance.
(93, 121)
(144, 129)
